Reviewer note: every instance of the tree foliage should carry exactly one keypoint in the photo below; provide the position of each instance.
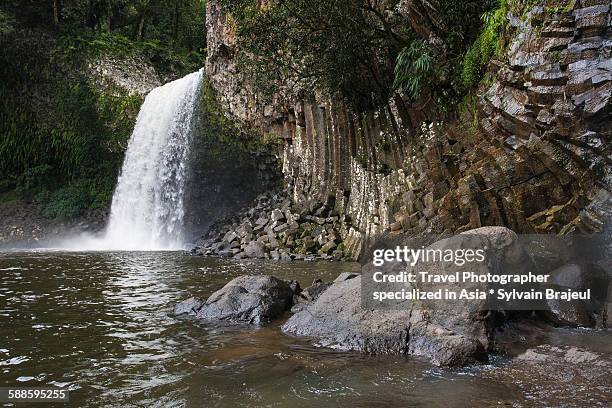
(488, 44)
(359, 49)
(177, 22)
(62, 136)
(334, 45)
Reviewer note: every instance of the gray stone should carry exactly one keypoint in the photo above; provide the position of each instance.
(254, 249)
(345, 276)
(189, 306)
(277, 215)
(328, 247)
(336, 319)
(248, 299)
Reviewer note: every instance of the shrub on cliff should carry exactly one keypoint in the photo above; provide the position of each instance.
(358, 49)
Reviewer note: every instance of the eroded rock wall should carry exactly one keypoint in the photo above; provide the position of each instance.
(535, 155)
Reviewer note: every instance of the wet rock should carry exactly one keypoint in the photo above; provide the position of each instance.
(313, 292)
(188, 306)
(336, 319)
(578, 312)
(504, 255)
(246, 299)
(559, 376)
(308, 295)
(345, 276)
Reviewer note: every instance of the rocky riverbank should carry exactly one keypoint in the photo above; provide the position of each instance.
(336, 315)
(274, 228)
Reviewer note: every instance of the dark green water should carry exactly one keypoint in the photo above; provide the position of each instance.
(100, 324)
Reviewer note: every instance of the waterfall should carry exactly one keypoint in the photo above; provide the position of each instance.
(147, 208)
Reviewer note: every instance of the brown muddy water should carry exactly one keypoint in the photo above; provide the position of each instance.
(101, 325)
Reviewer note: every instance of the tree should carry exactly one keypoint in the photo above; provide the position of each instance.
(350, 47)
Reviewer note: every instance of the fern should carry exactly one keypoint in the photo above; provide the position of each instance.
(413, 68)
(488, 44)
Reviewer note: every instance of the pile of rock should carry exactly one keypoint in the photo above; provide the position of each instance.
(272, 228)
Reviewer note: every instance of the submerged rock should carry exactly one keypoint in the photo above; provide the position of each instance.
(245, 299)
(559, 376)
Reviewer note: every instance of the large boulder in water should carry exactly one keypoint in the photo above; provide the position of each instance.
(449, 333)
(505, 255)
(337, 320)
(245, 299)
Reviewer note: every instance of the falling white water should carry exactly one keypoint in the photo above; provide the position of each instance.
(147, 210)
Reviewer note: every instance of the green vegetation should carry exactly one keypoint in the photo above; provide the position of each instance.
(488, 44)
(176, 23)
(220, 134)
(360, 50)
(6, 23)
(62, 134)
(413, 69)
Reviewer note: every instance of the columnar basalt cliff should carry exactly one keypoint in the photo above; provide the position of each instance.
(532, 154)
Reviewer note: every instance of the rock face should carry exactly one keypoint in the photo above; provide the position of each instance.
(23, 225)
(245, 299)
(135, 75)
(534, 158)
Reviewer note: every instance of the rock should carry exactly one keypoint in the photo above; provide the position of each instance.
(295, 287)
(273, 242)
(247, 299)
(189, 306)
(579, 278)
(226, 253)
(345, 276)
(337, 255)
(504, 254)
(230, 237)
(308, 295)
(255, 249)
(313, 292)
(558, 376)
(448, 333)
(280, 228)
(277, 215)
(328, 247)
(336, 319)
